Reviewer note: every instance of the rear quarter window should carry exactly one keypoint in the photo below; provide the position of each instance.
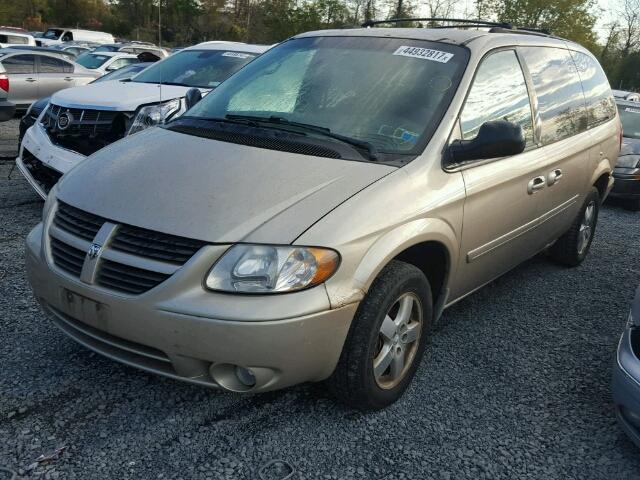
(599, 99)
(559, 92)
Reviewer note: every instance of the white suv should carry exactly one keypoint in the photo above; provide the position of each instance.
(81, 121)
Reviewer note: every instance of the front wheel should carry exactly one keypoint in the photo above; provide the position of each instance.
(572, 248)
(386, 340)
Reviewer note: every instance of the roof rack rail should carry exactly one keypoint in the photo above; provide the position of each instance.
(463, 21)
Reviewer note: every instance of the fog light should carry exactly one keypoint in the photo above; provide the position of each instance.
(245, 376)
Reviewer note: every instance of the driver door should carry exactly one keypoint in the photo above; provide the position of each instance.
(502, 195)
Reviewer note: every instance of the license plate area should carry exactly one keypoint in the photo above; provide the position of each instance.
(85, 310)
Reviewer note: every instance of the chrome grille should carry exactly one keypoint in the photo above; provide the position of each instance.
(132, 260)
(66, 257)
(159, 246)
(76, 222)
(89, 131)
(128, 279)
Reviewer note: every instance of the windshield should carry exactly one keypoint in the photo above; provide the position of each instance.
(91, 60)
(107, 48)
(630, 118)
(388, 92)
(52, 34)
(123, 73)
(196, 68)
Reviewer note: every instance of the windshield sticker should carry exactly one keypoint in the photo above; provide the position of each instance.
(424, 53)
(632, 110)
(236, 55)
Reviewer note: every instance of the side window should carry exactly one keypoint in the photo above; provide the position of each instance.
(597, 92)
(54, 65)
(67, 37)
(499, 92)
(559, 91)
(20, 64)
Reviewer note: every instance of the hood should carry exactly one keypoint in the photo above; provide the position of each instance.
(210, 190)
(116, 95)
(630, 146)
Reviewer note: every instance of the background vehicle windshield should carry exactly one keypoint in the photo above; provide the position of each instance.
(91, 60)
(630, 118)
(123, 73)
(196, 68)
(52, 34)
(389, 92)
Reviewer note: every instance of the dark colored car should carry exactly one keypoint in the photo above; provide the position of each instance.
(123, 74)
(626, 375)
(627, 171)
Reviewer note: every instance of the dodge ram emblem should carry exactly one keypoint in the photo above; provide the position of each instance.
(94, 251)
(64, 120)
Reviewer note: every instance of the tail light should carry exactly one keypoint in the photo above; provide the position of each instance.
(4, 82)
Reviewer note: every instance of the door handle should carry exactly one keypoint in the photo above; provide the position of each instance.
(68, 79)
(30, 80)
(554, 177)
(536, 184)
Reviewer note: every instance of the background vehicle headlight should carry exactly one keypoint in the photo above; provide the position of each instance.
(153, 115)
(629, 161)
(271, 269)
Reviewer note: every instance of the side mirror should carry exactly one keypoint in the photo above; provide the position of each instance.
(495, 139)
(192, 97)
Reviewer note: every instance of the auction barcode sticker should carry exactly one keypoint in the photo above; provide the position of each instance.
(424, 53)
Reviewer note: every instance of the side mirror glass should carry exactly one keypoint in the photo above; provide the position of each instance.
(495, 139)
(192, 97)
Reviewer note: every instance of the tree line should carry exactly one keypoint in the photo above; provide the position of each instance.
(185, 22)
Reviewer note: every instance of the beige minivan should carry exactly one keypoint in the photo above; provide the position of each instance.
(312, 217)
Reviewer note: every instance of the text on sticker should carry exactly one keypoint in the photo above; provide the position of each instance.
(632, 110)
(236, 54)
(424, 53)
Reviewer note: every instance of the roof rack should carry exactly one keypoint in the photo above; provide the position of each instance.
(496, 27)
(464, 21)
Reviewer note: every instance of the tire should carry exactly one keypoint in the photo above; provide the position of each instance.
(572, 248)
(354, 381)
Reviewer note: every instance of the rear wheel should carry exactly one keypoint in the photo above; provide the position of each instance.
(386, 340)
(572, 248)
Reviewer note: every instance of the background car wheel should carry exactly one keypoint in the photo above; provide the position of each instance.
(386, 340)
(572, 248)
(632, 204)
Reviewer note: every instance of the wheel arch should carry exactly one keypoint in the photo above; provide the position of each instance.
(428, 244)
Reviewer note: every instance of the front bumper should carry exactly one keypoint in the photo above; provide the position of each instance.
(7, 110)
(37, 143)
(180, 330)
(626, 383)
(627, 183)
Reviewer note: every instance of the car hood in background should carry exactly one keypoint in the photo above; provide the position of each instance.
(210, 190)
(116, 95)
(630, 146)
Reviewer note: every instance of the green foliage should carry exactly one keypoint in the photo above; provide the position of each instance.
(571, 19)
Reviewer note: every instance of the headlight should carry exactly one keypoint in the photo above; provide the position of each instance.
(153, 115)
(271, 269)
(629, 161)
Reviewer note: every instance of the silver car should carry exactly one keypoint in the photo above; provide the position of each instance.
(311, 217)
(32, 75)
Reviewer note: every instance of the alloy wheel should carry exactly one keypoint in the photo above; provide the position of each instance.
(586, 227)
(398, 341)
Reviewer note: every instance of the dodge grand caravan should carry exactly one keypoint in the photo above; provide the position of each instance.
(311, 218)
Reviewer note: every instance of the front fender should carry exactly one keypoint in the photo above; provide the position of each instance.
(387, 247)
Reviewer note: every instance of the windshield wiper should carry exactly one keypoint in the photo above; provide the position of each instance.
(370, 148)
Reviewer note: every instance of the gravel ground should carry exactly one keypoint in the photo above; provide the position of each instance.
(514, 385)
